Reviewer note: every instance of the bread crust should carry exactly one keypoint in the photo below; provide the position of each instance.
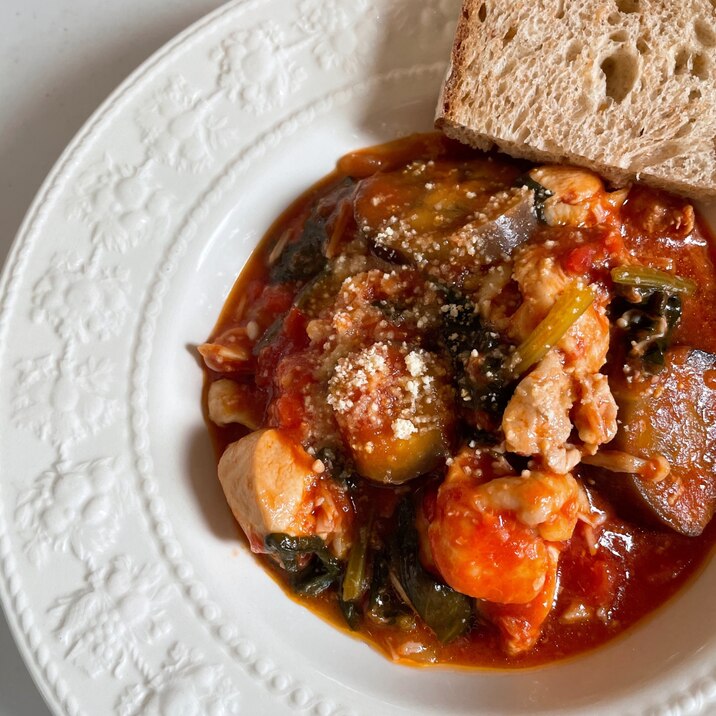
(624, 87)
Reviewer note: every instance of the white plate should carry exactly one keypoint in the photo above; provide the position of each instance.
(120, 570)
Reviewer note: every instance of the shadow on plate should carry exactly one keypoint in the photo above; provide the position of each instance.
(204, 484)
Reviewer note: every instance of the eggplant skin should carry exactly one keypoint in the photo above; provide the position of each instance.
(672, 413)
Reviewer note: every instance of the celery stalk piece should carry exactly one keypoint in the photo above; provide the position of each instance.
(571, 304)
(650, 278)
(355, 581)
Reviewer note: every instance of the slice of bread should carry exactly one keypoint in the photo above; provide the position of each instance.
(626, 87)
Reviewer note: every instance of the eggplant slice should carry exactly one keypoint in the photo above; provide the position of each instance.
(673, 414)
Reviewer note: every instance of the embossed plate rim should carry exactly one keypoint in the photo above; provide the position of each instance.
(116, 576)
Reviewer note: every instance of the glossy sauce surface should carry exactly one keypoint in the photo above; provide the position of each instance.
(636, 567)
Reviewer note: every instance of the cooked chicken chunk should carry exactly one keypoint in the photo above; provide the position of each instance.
(273, 485)
(567, 381)
(578, 196)
(595, 411)
(536, 420)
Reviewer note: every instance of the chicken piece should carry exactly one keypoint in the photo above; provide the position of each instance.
(541, 280)
(595, 412)
(536, 420)
(521, 624)
(273, 485)
(567, 381)
(231, 402)
(489, 538)
(578, 196)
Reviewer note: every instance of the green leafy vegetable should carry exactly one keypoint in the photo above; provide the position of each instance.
(384, 605)
(648, 323)
(478, 355)
(351, 613)
(338, 466)
(447, 612)
(355, 580)
(303, 258)
(311, 567)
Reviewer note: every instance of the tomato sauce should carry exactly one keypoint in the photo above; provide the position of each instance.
(637, 566)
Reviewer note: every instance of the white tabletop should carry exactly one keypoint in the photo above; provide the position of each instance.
(58, 60)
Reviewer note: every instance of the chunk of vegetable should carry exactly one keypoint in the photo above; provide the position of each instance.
(445, 219)
(318, 293)
(311, 567)
(672, 414)
(396, 461)
(355, 580)
(497, 231)
(447, 612)
(392, 155)
(567, 309)
(501, 230)
(649, 325)
(650, 278)
(394, 410)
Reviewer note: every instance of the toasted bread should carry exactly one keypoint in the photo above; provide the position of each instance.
(625, 87)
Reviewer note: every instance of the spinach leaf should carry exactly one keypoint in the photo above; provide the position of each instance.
(648, 318)
(311, 567)
(303, 258)
(384, 605)
(351, 613)
(479, 356)
(447, 612)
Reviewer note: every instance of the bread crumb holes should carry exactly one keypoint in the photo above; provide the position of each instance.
(620, 73)
(681, 61)
(573, 50)
(627, 6)
(704, 33)
(509, 36)
(701, 66)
